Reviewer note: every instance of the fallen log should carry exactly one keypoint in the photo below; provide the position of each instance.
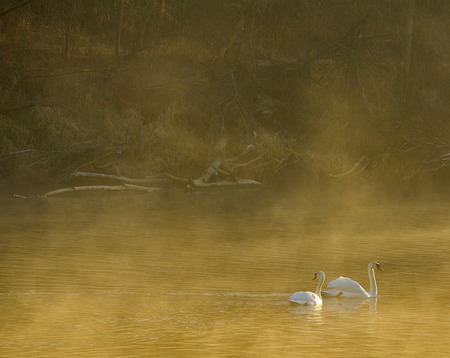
(227, 182)
(211, 172)
(216, 175)
(152, 180)
(97, 187)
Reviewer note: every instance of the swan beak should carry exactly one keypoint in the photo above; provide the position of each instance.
(315, 276)
(379, 267)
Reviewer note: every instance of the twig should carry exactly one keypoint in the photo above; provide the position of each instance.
(18, 196)
(241, 155)
(69, 28)
(247, 162)
(353, 168)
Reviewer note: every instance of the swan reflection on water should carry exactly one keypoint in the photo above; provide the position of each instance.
(348, 305)
(337, 305)
(337, 312)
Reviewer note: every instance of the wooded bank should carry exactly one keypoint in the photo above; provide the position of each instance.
(319, 89)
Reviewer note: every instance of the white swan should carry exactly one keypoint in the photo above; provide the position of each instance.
(346, 287)
(309, 298)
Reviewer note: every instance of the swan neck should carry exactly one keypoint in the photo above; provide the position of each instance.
(320, 285)
(373, 282)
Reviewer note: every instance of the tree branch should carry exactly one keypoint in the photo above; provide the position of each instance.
(358, 165)
(7, 11)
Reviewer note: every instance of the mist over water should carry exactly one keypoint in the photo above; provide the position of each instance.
(191, 94)
(208, 274)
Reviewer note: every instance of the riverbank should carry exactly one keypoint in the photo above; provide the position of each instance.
(92, 99)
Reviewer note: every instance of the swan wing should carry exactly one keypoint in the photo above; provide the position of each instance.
(305, 298)
(345, 284)
(344, 287)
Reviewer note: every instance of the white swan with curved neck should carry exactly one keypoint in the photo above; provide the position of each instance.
(307, 298)
(346, 287)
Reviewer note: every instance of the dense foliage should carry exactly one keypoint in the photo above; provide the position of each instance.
(336, 89)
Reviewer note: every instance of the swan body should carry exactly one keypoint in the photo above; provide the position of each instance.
(346, 287)
(307, 298)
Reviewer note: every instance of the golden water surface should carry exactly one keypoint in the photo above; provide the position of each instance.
(208, 274)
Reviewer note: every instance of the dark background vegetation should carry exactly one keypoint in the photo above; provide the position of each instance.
(322, 89)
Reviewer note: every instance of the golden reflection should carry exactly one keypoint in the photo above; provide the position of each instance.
(110, 280)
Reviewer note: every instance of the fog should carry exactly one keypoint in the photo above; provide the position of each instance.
(171, 172)
(201, 274)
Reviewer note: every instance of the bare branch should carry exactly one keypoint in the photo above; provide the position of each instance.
(7, 11)
(358, 165)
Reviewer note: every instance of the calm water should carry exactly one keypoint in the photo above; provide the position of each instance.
(208, 275)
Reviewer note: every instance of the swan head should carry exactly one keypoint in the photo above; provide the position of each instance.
(319, 275)
(375, 265)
